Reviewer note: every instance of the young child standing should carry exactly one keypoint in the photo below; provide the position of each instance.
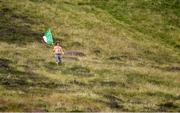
(58, 51)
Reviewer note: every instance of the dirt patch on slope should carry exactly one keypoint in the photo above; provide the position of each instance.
(75, 53)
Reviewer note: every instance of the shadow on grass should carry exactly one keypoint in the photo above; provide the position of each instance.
(136, 78)
(16, 27)
(78, 70)
(26, 81)
(168, 106)
(4, 63)
(113, 102)
(162, 95)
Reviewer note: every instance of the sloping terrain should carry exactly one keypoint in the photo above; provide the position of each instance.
(121, 55)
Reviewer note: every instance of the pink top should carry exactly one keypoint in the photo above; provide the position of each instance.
(57, 49)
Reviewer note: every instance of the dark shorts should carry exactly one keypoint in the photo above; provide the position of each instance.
(58, 57)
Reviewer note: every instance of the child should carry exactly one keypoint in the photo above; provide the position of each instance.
(58, 52)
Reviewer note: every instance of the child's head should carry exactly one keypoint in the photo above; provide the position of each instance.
(57, 44)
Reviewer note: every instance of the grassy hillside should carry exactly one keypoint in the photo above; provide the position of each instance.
(131, 62)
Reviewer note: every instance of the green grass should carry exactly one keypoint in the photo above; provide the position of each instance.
(132, 60)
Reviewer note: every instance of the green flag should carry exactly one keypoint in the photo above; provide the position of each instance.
(48, 37)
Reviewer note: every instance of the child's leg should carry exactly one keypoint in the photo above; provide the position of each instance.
(59, 59)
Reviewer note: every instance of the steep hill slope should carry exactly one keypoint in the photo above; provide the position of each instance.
(131, 62)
